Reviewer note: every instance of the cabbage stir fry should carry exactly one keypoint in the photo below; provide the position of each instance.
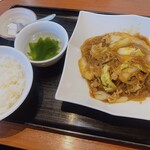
(117, 67)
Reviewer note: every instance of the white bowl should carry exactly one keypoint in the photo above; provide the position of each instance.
(52, 28)
(11, 17)
(24, 62)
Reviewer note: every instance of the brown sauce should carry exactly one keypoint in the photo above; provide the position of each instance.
(144, 88)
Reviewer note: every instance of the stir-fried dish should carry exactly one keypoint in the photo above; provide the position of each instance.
(117, 67)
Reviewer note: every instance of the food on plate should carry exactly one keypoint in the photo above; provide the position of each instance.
(116, 66)
(12, 82)
(43, 47)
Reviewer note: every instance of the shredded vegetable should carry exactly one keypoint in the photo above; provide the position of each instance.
(118, 64)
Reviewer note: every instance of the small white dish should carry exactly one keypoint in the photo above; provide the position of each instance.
(9, 19)
(6, 51)
(38, 28)
(73, 88)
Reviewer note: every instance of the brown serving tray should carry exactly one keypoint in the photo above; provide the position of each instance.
(41, 109)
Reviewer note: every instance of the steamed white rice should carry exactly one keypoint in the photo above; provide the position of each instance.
(12, 82)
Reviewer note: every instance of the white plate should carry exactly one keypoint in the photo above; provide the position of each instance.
(73, 88)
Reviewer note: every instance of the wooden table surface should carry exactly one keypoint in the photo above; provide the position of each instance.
(28, 137)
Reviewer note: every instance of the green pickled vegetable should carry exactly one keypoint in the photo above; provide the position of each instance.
(43, 49)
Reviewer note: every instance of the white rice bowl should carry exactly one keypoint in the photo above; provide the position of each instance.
(15, 79)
